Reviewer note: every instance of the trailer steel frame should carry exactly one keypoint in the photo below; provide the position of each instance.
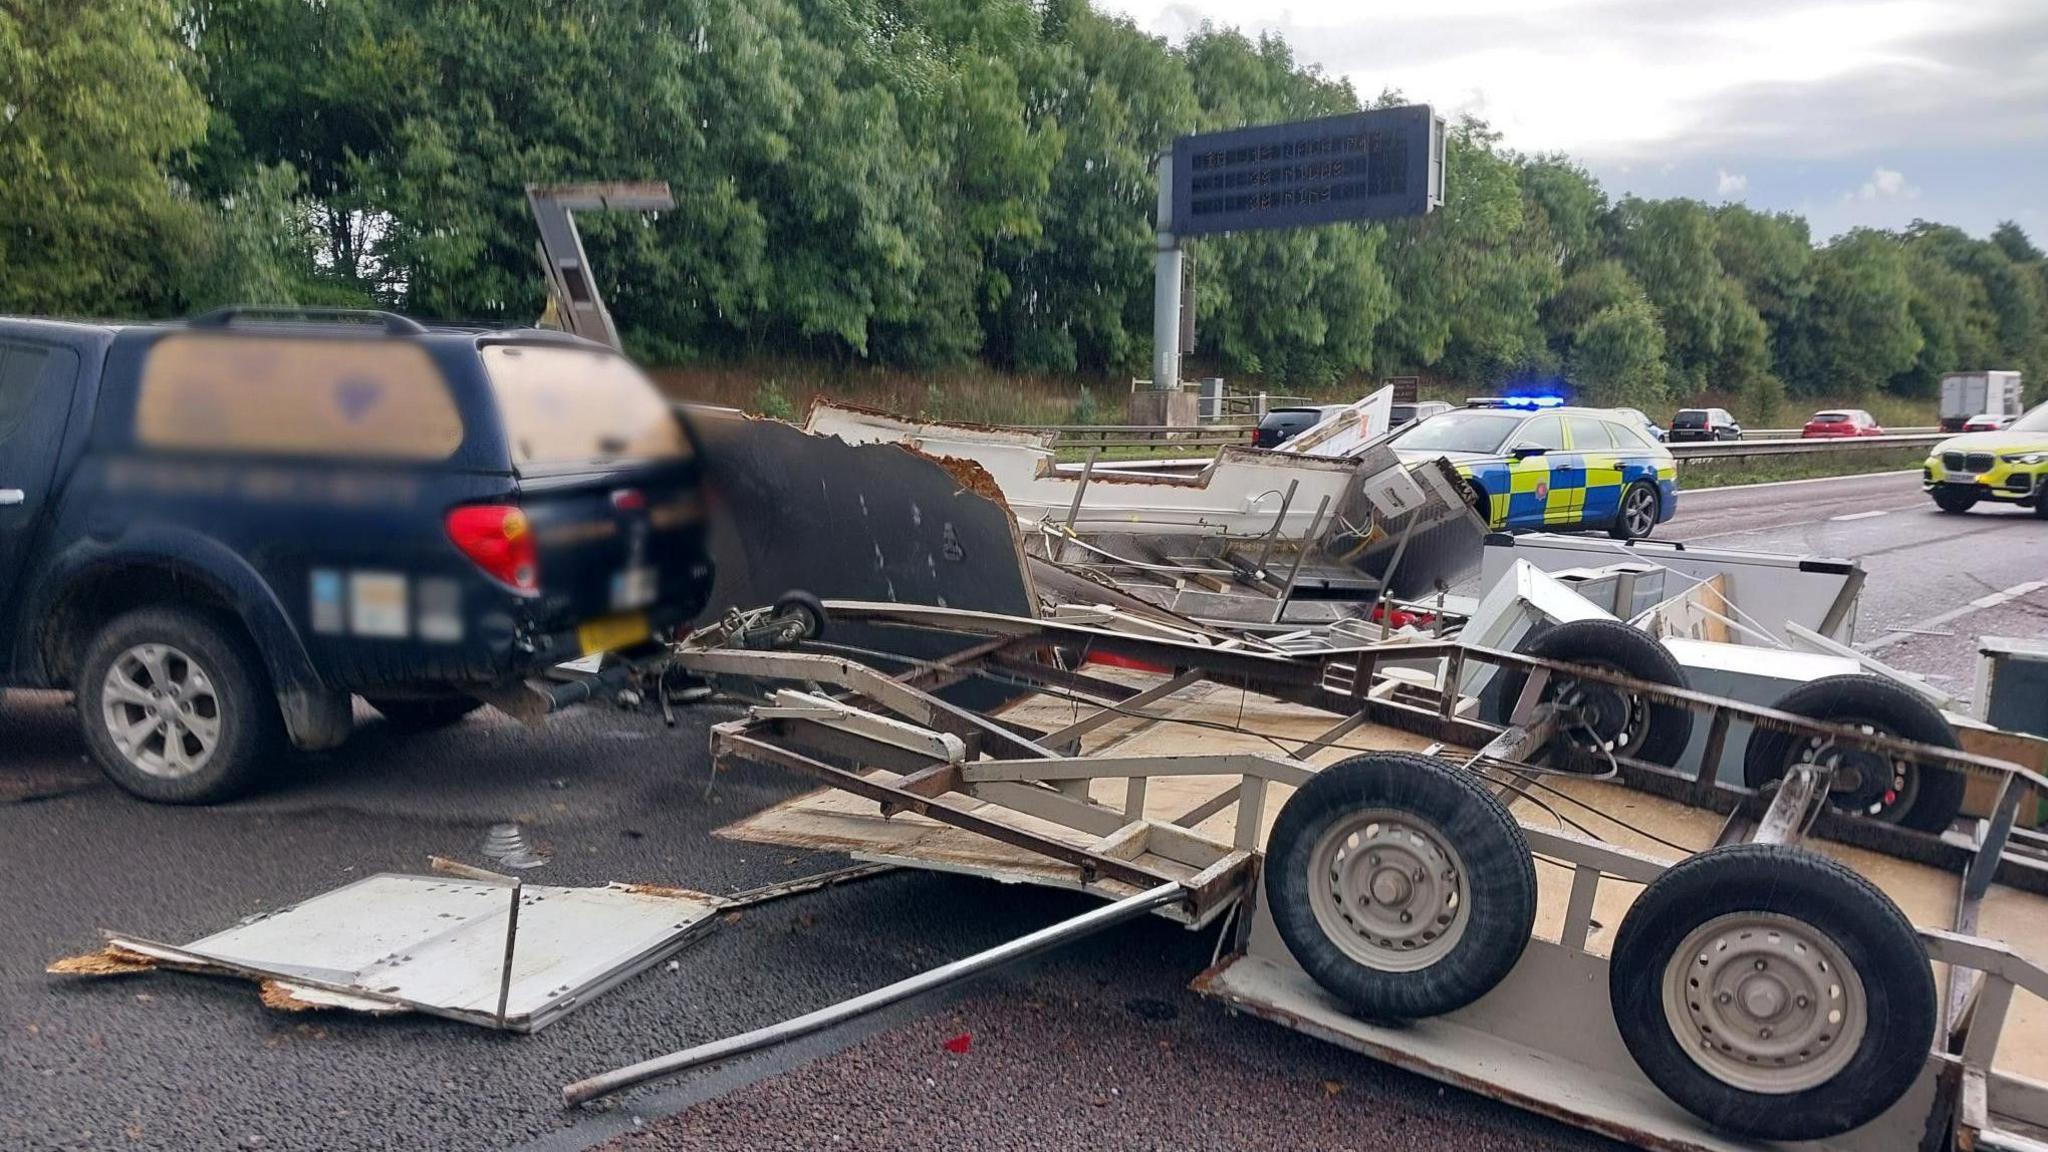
(881, 731)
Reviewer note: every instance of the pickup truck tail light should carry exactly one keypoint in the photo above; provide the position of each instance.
(499, 540)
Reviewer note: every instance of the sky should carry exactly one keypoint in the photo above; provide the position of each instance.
(1852, 112)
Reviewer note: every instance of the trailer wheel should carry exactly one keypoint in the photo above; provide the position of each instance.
(1400, 884)
(806, 608)
(1616, 722)
(1891, 790)
(1772, 992)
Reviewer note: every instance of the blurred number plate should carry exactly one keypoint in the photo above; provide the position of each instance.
(610, 632)
(633, 587)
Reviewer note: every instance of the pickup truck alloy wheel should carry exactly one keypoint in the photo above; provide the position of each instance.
(176, 705)
(161, 710)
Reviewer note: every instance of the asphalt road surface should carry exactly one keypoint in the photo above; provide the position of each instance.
(1099, 1047)
(1930, 575)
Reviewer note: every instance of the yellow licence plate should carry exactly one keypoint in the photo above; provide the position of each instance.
(608, 632)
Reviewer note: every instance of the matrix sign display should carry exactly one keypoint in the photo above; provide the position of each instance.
(1362, 166)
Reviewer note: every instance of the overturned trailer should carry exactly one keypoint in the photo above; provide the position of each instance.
(1543, 910)
(1563, 876)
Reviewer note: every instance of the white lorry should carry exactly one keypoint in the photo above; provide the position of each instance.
(1967, 394)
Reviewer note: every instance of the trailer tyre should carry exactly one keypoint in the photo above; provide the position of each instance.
(1773, 992)
(805, 607)
(1400, 884)
(1616, 721)
(1868, 784)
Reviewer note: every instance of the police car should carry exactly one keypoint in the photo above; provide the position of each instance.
(1534, 463)
(2008, 467)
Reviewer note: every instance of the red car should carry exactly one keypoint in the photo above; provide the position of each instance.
(1841, 422)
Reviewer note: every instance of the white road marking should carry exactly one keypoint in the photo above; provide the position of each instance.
(1862, 515)
(1921, 627)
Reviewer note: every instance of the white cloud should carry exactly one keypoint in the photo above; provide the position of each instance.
(1887, 184)
(1777, 103)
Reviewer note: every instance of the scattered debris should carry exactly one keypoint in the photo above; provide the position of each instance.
(507, 844)
(455, 948)
(108, 961)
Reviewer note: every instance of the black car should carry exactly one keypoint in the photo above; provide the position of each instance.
(214, 533)
(1284, 424)
(1703, 424)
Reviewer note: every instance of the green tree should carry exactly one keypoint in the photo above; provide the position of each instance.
(1618, 356)
(1081, 294)
(98, 104)
(1713, 335)
(1862, 311)
(2012, 240)
(1769, 255)
(1569, 204)
(1470, 280)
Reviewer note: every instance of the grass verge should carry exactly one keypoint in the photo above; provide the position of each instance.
(1765, 469)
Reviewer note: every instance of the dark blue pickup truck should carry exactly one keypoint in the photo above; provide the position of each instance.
(214, 533)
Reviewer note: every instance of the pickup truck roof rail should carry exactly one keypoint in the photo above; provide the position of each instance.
(227, 317)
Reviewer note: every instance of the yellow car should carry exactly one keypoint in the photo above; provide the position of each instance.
(2009, 466)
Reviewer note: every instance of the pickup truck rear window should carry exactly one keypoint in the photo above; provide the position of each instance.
(569, 406)
(298, 396)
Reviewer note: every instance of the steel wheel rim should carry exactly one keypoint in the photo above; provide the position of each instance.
(1764, 1002)
(1865, 783)
(1603, 702)
(1388, 889)
(1640, 514)
(162, 711)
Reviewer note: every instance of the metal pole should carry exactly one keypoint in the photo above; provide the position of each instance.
(1294, 572)
(1064, 932)
(1166, 274)
(1387, 577)
(1074, 509)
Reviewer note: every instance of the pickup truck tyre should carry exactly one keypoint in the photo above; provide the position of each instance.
(424, 713)
(1400, 884)
(1773, 992)
(176, 707)
(1867, 784)
(1953, 500)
